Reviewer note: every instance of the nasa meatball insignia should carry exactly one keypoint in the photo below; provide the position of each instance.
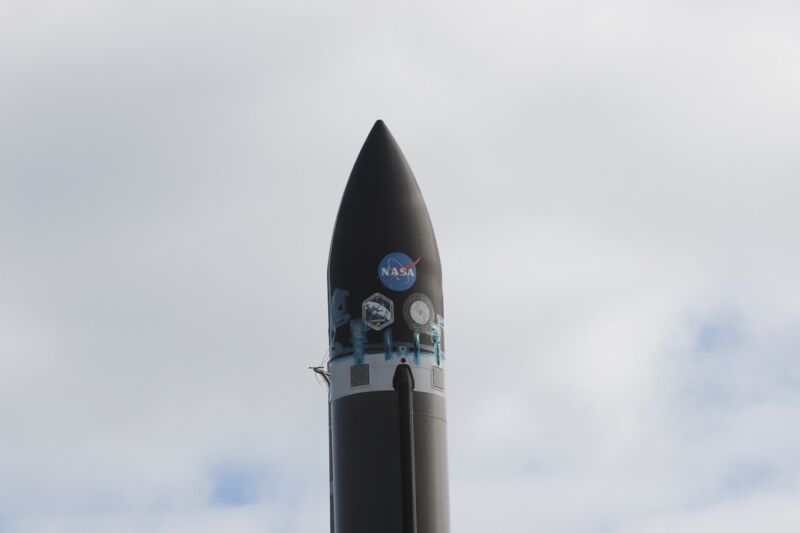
(397, 271)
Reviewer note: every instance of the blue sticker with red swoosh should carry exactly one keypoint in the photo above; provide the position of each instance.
(397, 271)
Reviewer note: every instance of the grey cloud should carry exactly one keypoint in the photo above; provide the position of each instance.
(610, 183)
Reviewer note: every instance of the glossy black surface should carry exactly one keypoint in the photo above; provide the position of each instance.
(382, 211)
(367, 462)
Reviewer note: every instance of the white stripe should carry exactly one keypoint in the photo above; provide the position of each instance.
(381, 374)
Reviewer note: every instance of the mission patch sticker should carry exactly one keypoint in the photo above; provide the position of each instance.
(377, 311)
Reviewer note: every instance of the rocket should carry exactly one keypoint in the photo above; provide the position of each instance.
(386, 366)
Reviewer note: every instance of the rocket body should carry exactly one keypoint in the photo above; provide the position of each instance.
(388, 445)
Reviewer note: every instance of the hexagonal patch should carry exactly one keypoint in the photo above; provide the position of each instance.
(377, 311)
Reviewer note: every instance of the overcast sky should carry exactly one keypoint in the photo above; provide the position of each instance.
(615, 188)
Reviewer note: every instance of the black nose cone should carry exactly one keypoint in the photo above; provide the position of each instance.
(384, 274)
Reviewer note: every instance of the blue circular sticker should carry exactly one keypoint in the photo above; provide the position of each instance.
(397, 271)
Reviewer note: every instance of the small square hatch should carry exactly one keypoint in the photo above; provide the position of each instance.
(359, 375)
(438, 378)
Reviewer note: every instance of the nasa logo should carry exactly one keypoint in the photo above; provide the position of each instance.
(397, 271)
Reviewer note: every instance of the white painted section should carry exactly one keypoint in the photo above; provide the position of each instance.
(381, 374)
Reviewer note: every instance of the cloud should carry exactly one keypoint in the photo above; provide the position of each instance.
(614, 193)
